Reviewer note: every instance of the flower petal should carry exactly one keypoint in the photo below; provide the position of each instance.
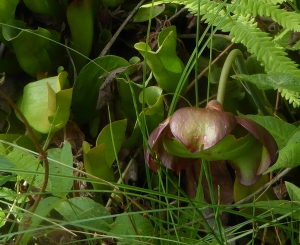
(265, 138)
(201, 128)
(155, 144)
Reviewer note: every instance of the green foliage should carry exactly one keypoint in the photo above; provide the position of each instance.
(81, 21)
(98, 160)
(112, 136)
(90, 184)
(60, 187)
(87, 84)
(43, 210)
(166, 66)
(289, 153)
(47, 7)
(82, 208)
(43, 54)
(11, 195)
(135, 226)
(49, 109)
(143, 14)
(235, 19)
(280, 130)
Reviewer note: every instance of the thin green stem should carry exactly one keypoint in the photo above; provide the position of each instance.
(236, 55)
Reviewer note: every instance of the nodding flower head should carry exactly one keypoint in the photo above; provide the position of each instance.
(212, 134)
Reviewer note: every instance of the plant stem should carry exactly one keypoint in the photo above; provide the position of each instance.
(43, 155)
(236, 55)
(207, 68)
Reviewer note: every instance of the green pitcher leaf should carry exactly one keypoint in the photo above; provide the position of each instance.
(242, 191)
(95, 164)
(7, 12)
(118, 129)
(124, 90)
(80, 17)
(166, 66)
(36, 58)
(95, 216)
(46, 7)
(87, 84)
(63, 104)
(143, 14)
(45, 105)
(167, 40)
(61, 182)
(152, 95)
(153, 114)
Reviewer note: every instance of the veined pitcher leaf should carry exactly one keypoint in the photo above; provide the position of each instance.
(7, 12)
(63, 104)
(45, 105)
(153, 114)
(143, 14)
(37, 58)
(95, 164)
(118, 129)
(166, 66)
(45, 7)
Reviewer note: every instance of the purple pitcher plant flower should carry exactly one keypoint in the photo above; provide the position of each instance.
(213, 135)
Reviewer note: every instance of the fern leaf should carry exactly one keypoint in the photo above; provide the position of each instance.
(292, 97)
(275, 1)
(289, 20)
(243, 30)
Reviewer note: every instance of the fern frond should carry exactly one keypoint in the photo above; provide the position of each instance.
(243, 30)
(292, 97)
(274, 1)
(289, 20)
